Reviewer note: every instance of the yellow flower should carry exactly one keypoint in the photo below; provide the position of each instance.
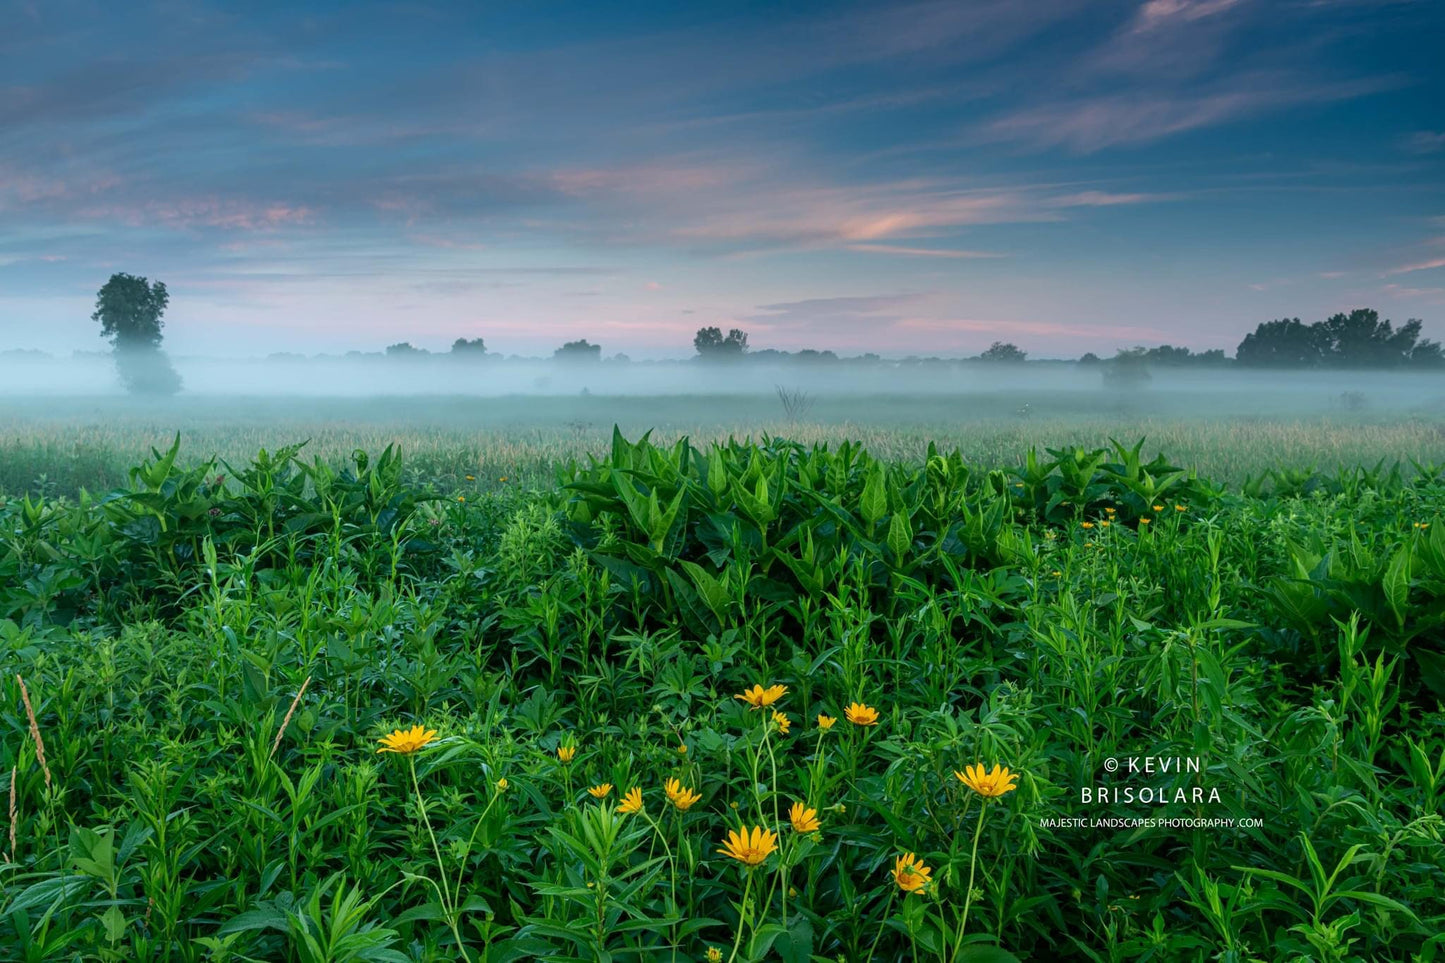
(1144, 519)
(632, 801)
(804, 820)
(471, 478)
(566, 753)
(682, 749)
(407, 741)
(1422, 525)
(502, 479)
(1179, 508)
(1086, 524)
(714, 955)
(679, 795)
(1109, 511)
(599, 791)
(1057, 573)
(1104, 523)
(910, 874)
(461, 498)
(502, 784)
(825, 722)
(757, 696)
(783, 722)
(990, 784)
(1159, 508)
(750, 848)
(861, 715)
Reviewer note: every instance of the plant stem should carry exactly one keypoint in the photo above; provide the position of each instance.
(972, 866)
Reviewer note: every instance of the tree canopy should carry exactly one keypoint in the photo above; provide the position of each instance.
(1358, 339)
(129, 310)
(713, 345)
(1005, 352)
(582, 350)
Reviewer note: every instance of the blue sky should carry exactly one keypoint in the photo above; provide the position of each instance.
(906, 178)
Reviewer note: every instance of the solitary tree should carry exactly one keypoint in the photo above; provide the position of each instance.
(578, 351)
(1003, 351)
(475, 348)
(713, 345)
(404, 349)
(129, 310)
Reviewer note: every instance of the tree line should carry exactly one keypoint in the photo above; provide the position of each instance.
(130, 308)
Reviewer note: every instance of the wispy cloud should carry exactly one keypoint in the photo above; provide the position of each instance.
(1425, 141)
(872, 313)
(1141, 117)
(942, 252)
(1427, 265)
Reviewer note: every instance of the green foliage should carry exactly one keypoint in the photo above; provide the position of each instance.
(1358, 339)
(129, 310)
(211, 661)
(712, 345)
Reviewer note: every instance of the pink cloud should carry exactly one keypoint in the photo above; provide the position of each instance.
(922, 251)
(1431, 295)
(1041, 328)
(202, 212)
(1429, 265)
(1159, 13)
(1107, 199)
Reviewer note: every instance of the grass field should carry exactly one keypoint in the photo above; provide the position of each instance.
(695, 701)
(92, 443)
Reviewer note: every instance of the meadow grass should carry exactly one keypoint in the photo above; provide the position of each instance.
(748, 701)
(62, 445)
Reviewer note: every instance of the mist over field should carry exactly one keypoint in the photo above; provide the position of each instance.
(1179, 391)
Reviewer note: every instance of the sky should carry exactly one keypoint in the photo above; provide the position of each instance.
(903, 178)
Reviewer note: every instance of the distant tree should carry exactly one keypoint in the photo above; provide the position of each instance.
(1128, 369)
(129, 310)
(812, 356)
(475, 348)
(578, 351)
(1168, 354)
(1359, 339)
(404, 349)
(1002, 351)
(1089, 358)
(713, 345)
(1285, 343)
(1426, 353)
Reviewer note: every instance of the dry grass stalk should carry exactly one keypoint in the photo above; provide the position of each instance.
(34, 729)
(287, 721)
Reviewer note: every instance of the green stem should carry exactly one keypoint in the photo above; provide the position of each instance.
(972, 866)
(449, 910)
(742, 916)
(892, 895)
